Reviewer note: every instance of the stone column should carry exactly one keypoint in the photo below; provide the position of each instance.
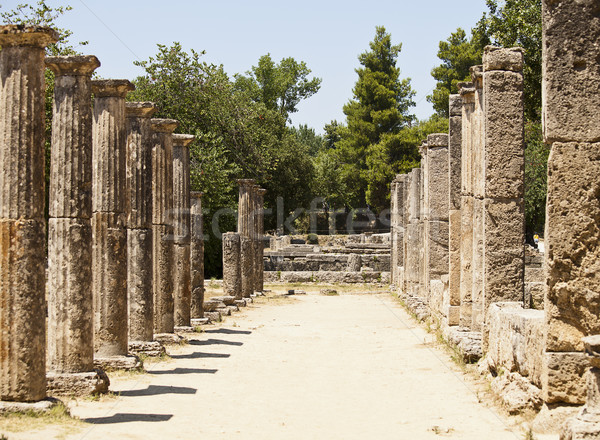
(162, 229)
(404, 276)
(393, 241)
(245, 227)
(109, 218)
(436, 203)
(452, 308)
(181, 228)
(467, 92)
(423, 219)
(70, 300)
(197, 255)
(504, 178)
(478, 170)
(397, 228)
(260, 234)
(22, 223)
(232, 272)
(139, 229)
(413, 242)
(571, 106)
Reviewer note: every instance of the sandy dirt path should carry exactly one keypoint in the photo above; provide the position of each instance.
(308, 367)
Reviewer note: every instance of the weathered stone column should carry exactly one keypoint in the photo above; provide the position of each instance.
(437, 217)
(413, 242)
(70, 300)
(478, 170)
(260, 239)
(162, 229)
(571, 31)
(22, 223)
(139, 229)
(182, 231)
(467, 92)
(245, 229)
(232, 271)
(393, 238)
(452, 307)
(109, 233)
(423, 219)
(397, 229)
(197, 255)
(403, 246)
(504, 178)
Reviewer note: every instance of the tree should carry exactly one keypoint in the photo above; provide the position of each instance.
(536, 178)
(519, 23)
(458, 54)
(307, 136)
(280, 87)
(379, 109)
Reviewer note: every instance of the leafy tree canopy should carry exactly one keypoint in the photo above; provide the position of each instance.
(280, 87)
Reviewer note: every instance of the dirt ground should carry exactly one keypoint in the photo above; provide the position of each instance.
(353, 366)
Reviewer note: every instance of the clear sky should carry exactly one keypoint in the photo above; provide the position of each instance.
(327, 35)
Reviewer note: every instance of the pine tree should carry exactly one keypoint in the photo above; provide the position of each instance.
(377, 113)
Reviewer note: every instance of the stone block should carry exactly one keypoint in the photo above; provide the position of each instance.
(454, 161)
(23, 330)
(571, 76)
(534, 295)
(437, 247)
(162, 274)
(78, 384)
(534, 274)
(454, 244)
(438, 198)
(182, 293)
(573, 253)
(140, 295)
(516, 340)
(563, 377)
(500, 58)
(70, 302)
(504, 134)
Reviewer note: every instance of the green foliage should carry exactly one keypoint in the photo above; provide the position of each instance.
(312, 239)
(378, 112)
(280, 87)
(519, 23)
(536, 175)
(236, 137)
(458, 54)
(307, 137)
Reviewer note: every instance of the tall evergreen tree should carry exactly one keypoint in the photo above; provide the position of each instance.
(378, 111)
(458, 53)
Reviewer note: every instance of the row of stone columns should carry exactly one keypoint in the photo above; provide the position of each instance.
(243, 251)
(121, 240)
(463, 210)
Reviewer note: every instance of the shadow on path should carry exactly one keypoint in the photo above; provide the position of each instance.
(227, 331)
(155, 390)
(129, 417)
(214, 342)
(200, 355)
(185, 371)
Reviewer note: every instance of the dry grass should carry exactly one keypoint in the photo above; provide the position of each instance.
(32, 420)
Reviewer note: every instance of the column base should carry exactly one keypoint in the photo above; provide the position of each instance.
(213, 316)
(147, 348)
(240, 302)
(184, 329)
(224, 311)
(88, 383)
(43, 406)
(112, 363)
(168, 338)
(200, 321)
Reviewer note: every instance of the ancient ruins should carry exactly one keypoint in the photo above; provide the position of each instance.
(125, 271)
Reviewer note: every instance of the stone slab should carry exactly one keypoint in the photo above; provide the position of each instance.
(112, 363)
(77, 384)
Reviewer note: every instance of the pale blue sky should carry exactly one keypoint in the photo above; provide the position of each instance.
(327, 35)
